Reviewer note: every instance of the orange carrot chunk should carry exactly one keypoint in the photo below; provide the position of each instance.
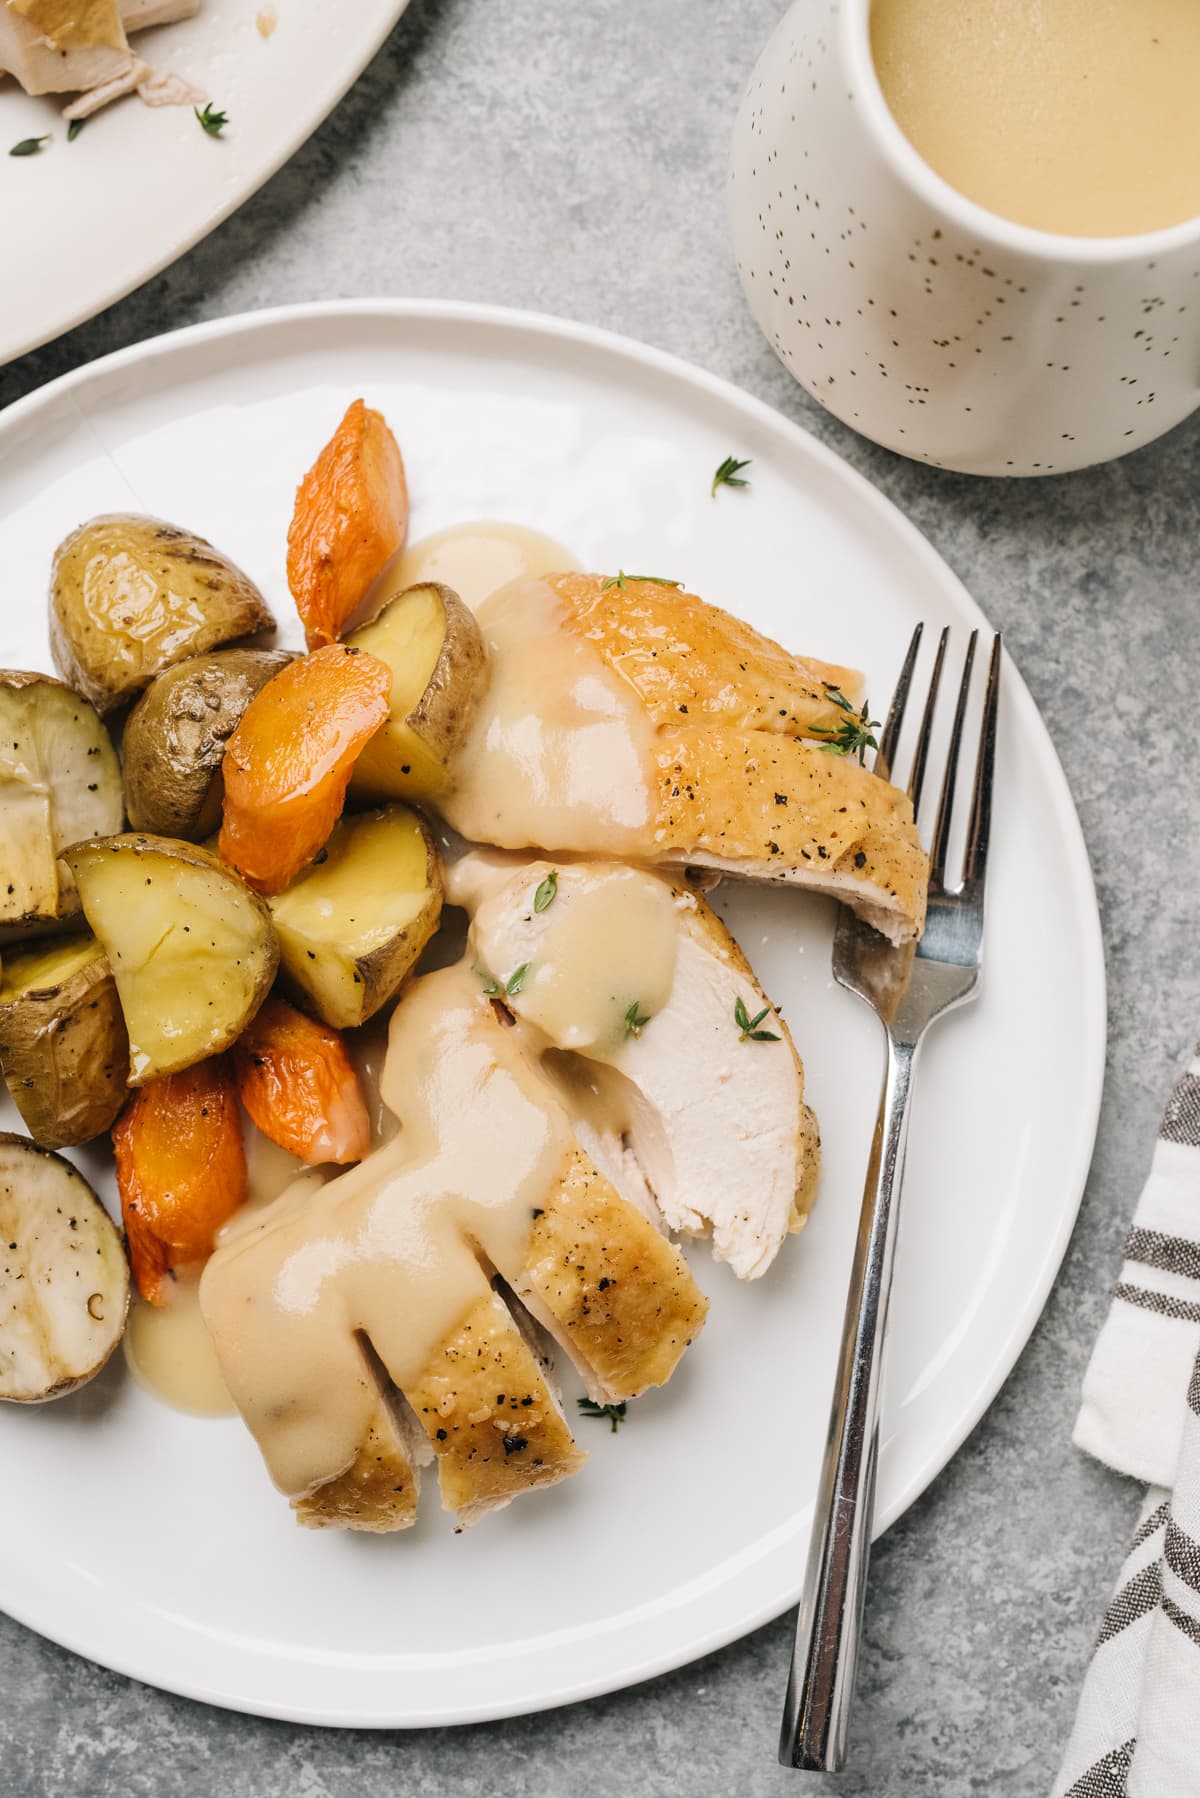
(350, 518)
(288, 763)
(181, 1170)
(299, 1086)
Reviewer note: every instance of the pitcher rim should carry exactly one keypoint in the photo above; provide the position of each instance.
(969, 215)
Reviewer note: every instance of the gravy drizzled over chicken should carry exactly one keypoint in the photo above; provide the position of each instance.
(548, 1125)
(642, 981)
(637, 721)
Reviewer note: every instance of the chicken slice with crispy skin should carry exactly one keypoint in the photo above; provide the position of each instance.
(767, 807)
(635, 720)
(683, 656)
(378, 1491)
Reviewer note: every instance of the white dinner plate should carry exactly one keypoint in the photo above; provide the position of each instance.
(86, 222)
(153, 1542)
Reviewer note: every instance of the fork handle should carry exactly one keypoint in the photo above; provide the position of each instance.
(829, 1623)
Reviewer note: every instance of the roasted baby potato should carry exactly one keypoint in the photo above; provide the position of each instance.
(176, 734)
(63, 1046)
(433, 646)
(353, 925)
(59, 781)
(130, 596)
(64, 1280)
(191, 947)
(350, 518)
(288, 763)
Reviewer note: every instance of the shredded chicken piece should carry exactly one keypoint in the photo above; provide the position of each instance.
(126, 82)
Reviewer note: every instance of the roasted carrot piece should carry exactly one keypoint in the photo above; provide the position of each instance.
(298, 1084)
(288, 763)
(350, 518)
(181, 1169)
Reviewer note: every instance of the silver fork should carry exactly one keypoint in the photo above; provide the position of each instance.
(908, 989)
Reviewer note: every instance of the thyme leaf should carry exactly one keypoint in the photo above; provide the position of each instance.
(74, 128)
(29, 146)
(516, 979)
(212, 122)
(835, 696)
(749, 1026)
(491, 986)
(635, 1019)
(728, 474)
(614, 1413)
(547, 892)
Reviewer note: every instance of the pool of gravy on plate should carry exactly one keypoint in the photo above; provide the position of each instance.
(477, 558)
(167, 1347)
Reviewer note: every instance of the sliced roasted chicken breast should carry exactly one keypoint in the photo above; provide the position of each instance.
(641, 982)
(628, 718)
(485, 1175)
(601, 1060)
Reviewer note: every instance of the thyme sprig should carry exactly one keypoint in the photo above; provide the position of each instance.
(728, 474)
(614, 1413)
(854, 734)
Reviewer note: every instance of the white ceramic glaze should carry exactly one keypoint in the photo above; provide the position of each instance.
(154, 1542)
(927, 323)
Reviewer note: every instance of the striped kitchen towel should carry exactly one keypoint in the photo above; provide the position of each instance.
(1137, 1732)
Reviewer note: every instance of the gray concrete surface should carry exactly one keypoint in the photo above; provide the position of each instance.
(572, 158)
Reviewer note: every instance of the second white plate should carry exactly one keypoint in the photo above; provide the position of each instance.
(86, 222)
(153, 1542)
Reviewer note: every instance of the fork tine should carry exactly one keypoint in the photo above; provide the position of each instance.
(886, 752)
(941, 830)
(916, 779)
(979, 829)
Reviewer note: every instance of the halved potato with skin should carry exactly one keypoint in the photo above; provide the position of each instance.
(63, 1046)
(176, 734)
(64, 1280)
(59, 781)
(191, 947)
(433, 646)
(354, 924)
(130, 596)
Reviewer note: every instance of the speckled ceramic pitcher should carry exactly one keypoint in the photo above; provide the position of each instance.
(926, 322)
